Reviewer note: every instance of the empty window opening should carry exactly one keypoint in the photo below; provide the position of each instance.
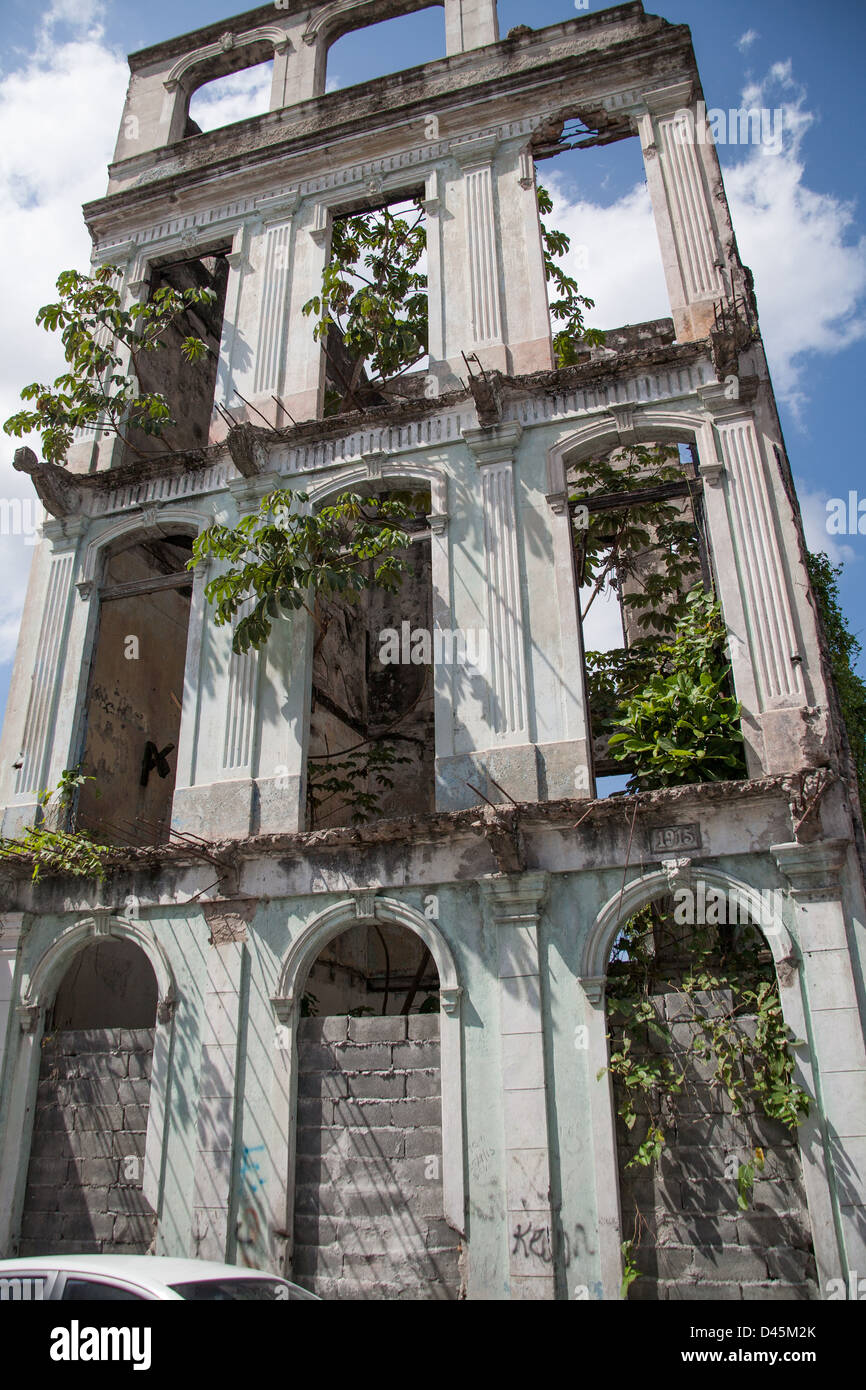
(372, 315)
(406, 41)
(136, 693)
(187, 386)
(642, 561)
(84, 1180)
(371, 746)
(372, 970)
(235, 97)
(369, 1218)
(711, 1189)
(601, 204)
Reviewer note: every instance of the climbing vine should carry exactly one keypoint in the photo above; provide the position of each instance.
(727, 1009)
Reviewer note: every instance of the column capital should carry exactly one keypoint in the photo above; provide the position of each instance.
(516, 900)
(494, 443)
(724, 409)
(664, 101)
(474, 149)
(813, 870)
(248, 492)
(63, 533)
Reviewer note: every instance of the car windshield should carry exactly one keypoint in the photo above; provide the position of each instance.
(249, 1290)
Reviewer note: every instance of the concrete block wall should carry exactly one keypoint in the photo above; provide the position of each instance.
(695, 1241)
(87, 1159)
(368, 1199)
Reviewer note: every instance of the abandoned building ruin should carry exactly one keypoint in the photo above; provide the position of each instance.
(370, 1054)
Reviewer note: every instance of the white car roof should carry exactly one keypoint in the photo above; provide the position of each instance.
(148, 1271)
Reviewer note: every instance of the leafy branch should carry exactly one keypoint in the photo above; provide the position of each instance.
(57, 850)
(284, 555)
(99, 338)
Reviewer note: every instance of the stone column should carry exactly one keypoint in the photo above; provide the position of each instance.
(10, 934)
(686, 219)
(836, 1040)
(212, 1236)
(506, 716)
(788, 741)
(471, 259)
(44, 741)
(513, 905)
(218, 748)
(470, 24)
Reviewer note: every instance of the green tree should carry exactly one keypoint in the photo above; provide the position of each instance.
(99, 337)
(371, 312)
(569, 304)
(844, 650)
(282, 557)
(683, 725)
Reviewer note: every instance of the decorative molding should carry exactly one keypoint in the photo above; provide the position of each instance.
(624, 417)
(365, 904)
(449, 999)
(28, 1017)
(813, 870)
(266, 34)
(678, 872)
(663, 839)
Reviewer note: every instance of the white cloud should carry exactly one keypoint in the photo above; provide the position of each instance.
(809, 265)
(614, 256)
(745, 41)
(58, 116)
(813, 506)
(235, 97)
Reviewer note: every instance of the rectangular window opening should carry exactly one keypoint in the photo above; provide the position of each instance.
(372, 310)
(371, 752)
(187, 386)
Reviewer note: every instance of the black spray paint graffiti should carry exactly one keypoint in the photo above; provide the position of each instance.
(534, 1242)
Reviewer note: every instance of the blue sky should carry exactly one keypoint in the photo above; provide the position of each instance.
(798, 213)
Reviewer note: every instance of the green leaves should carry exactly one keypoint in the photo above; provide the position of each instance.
(679, 725)
(374, 297)
(59, 851)
(569, 304)
(279, 559)
(101, 342)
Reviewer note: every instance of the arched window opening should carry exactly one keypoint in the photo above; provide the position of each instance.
(235, 97)
(110, 984)
(369, 1218)
(707, 1104)
(84, 1181)
(135, 694)
(371, 743)
(188, 387)
(391, 46)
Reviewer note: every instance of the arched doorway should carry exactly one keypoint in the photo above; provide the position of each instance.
(85, 1175)
(706, 1107)
(369, 1206)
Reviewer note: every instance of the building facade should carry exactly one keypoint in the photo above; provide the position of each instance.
(167, 1082)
